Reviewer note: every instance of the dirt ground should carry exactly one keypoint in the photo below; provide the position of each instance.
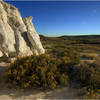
(59, 93)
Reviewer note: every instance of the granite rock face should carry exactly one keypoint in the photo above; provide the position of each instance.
(17, 36)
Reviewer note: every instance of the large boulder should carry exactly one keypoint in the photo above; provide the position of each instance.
(17, 36)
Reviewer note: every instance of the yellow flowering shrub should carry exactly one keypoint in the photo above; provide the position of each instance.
(36, 71)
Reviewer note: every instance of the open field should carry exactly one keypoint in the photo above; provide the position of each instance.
(80, 43)
(87, 46)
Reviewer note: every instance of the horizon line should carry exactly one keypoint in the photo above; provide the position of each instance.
(70, 35)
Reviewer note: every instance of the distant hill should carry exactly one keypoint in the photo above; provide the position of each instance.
(79, 36)
(73, 37)
(79, 39)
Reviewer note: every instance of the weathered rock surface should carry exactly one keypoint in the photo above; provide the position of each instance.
(1, 54)
(7, 39)
(33, 36)
(17, 36)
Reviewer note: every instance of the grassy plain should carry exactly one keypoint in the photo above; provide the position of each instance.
(88, 46)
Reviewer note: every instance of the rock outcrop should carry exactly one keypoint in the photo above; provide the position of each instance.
(33, 36)
(17, 36)
(1, 54)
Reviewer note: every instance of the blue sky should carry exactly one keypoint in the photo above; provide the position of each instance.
(54, 18)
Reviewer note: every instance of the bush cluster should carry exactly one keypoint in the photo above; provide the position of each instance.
(89, 56)
(92, 94)
(72, 54)
(89, 75)
(36, 71)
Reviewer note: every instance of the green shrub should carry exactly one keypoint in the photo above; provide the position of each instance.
(71, 54)
(36, 71)
(89, 56)
(89, 75)
(65, 66)
(64, 79)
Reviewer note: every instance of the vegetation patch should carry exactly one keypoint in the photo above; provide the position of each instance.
(36, 71)
(63, 64)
